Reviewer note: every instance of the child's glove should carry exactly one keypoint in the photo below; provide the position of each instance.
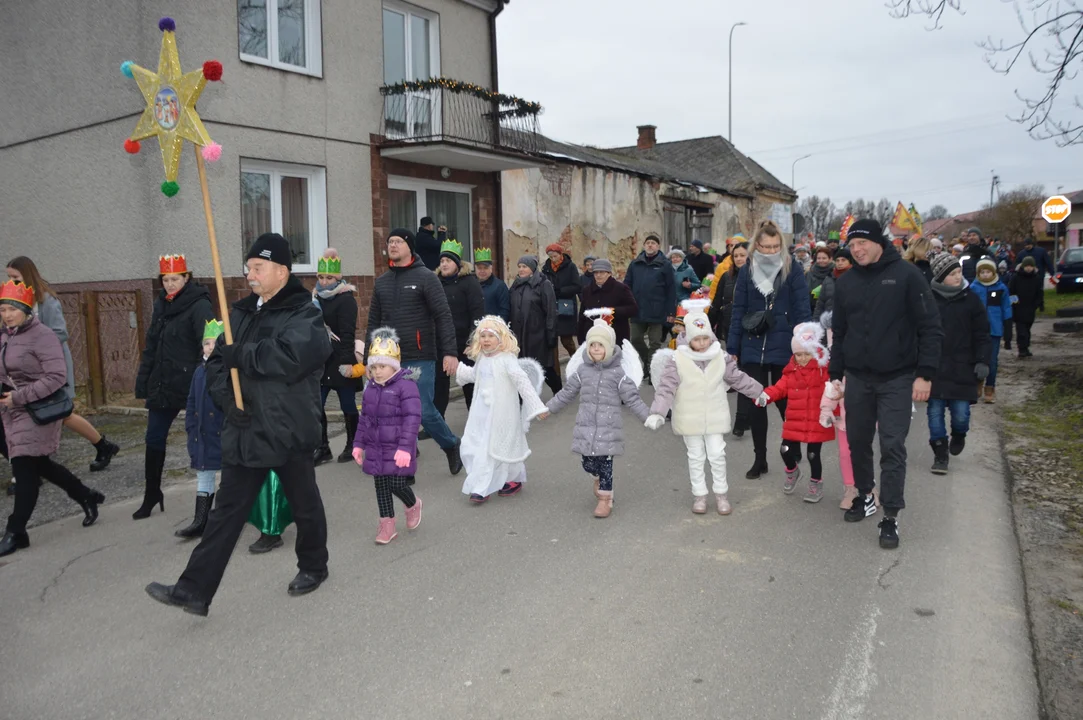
(358, 455)
(654, 422)
(763, 400)
(345, 371)
(402, 459)
(981, 370)
(826, 420)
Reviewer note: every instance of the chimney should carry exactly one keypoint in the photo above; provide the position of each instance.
(646, 137)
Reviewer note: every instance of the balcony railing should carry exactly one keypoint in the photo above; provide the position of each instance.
(447, 110)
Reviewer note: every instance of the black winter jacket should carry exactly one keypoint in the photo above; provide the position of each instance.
(340, 316)
(970, 257)
(566, 286)
(721, 312)
(885, 322)
(427, 247)
(612, 294)
(174, 348)
(467, 304)
(1029, 288)
(702, 264)
(534, 318)
(966, 343)
(412, 300)
(280, 353)
(654, 287)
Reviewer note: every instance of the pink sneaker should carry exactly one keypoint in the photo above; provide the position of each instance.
(387, 531)
(723, 504)
(699, 505)
(413, 515)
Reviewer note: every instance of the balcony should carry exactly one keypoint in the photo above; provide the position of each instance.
(452, 124)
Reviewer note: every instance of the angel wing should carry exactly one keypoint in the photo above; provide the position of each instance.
(629, 362)
(658, 364)
(577, 358)
(534, 372)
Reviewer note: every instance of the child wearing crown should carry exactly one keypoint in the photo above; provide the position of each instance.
(203, 423)
(603, 376)
(385, 445)
(802, 384)
(494, 445)
(692, 382)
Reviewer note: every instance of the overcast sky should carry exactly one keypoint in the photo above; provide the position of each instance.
(886, 107)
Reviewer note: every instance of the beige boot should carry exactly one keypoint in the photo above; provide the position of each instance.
(990, 395)
(723, 504)
(605, 504)
(699, 505)
(596, 490)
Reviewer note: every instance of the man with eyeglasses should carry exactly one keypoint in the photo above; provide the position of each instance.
(410, 299)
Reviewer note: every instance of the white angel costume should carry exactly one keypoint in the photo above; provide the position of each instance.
(494, 447)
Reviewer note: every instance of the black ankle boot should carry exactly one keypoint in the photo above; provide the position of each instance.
(12, 542)
(90, 507)
(958, 443)
(351, 429)
(323, 453)
(454, 461)
(199, 522)
(154, 464)
(759, 467)
(940, 456)
(106, 451)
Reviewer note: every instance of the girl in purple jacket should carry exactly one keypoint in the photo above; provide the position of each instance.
(385, 445)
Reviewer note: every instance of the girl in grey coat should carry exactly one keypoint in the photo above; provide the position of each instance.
(604, 377)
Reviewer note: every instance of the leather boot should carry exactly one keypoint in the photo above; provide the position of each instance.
(199, 522)
(106, 451)
(454, 462)
(940, 456)
(13, 541)
(759, 467)
(154, 463)
(90, 507)
(351, 430)
(323, 453)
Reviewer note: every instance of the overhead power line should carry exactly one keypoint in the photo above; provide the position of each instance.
(876, 143)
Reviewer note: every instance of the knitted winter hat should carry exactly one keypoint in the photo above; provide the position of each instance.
(603, 265)
(676, 251)
(867, 229)
(554, 247)
(942, 265)
(806, 338)
(989, 263)
(531, 261)
(405, 235)
(1028, 261)
(696, 323)
(601, 332)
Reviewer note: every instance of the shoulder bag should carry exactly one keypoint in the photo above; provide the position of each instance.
(49, 409)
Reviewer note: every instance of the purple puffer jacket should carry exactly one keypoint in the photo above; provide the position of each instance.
(390, 418)
(36, 369)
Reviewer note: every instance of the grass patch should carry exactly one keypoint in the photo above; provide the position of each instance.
(1065, 605)
(1054, 300)
(1054, 417)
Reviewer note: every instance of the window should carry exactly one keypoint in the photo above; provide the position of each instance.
(285, 34)
(287, 199)
(447, 204)
(411, 52)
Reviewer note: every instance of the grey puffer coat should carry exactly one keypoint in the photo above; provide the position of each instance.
(602, 388)
(31, 362)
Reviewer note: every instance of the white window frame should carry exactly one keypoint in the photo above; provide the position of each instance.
(313, 41)
(317, 202)
(397, 182)
(433, 96)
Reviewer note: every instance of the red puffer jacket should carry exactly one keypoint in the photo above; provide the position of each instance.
(804, 387)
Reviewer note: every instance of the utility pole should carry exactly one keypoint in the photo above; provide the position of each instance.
(994, 185)
(729, 135)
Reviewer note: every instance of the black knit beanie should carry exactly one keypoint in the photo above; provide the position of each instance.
(273, 247)
(867, 229)
(405, 235)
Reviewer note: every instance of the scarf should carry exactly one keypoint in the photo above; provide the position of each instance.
(817, 275)
(949, 291)
(521, 280)
(839, 273)
(330, 292)
(764, 270)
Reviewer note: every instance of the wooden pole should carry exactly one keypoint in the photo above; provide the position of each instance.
(234, 375)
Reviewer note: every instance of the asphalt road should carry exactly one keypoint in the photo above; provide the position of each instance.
(528, 607)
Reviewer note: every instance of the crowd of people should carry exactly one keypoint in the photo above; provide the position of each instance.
(842, 339)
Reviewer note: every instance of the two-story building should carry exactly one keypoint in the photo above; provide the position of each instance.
(324, 142)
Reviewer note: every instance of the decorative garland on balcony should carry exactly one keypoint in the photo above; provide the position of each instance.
(516, 107)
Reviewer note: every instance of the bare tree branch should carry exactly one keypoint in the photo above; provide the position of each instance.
(932, 8)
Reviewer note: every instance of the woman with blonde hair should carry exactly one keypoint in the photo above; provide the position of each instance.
(918, 252)
(770, 299)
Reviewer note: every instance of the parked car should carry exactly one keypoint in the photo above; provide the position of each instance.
(1069, 275)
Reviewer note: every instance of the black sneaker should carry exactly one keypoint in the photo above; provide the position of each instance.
(265, 544)
(958, 442)
(940, 456)
(862, 507)
(889, 533)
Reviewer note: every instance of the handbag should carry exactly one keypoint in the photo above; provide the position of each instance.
(49, 409)
(566, 307)
(759, 323)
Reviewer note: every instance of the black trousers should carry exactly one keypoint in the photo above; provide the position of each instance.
(441, 387)
(29, 472)
(1008, 332)
(757, 416)
(791, 456)
(1022, 331)
(237, 492)
(879, 407)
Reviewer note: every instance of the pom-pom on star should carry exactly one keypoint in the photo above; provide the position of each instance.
(131, 146)
(211, 152)
(212, 70)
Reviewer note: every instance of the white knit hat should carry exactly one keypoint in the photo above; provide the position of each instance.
(696, 323)
(601, 331)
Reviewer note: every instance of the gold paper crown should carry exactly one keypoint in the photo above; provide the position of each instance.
(17, 292)
(385, 343)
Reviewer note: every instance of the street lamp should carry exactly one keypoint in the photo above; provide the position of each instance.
(730, 135)
(793, 170)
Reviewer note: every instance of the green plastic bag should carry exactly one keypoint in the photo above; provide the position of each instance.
(271, 513)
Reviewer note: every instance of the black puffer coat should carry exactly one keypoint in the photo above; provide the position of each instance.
(966, 343)
(467, 303)
(340, 316)
(722, 306)
(534, 318)
(566, 286)
(1028, 288)
(280, 353)
(611, 294)
(412, 300)
(174, 348)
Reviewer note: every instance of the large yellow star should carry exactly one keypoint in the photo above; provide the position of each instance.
(171, 105)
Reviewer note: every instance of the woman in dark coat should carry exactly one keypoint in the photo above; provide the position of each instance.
(603, 291)
(722, 306)
(562, 274)
(818, 277)
(467, 302)
(770, 273)
(339, 305)
(174, 350)
(534, 319)
(1026, 287)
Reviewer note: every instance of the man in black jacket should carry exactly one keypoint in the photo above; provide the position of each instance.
(886, 330)
(427, 244)
(700, 262)
(279, 350)
(972, 253)
(410, 298)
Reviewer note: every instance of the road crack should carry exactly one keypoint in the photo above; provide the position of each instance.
(56, 579)
(883, 574)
